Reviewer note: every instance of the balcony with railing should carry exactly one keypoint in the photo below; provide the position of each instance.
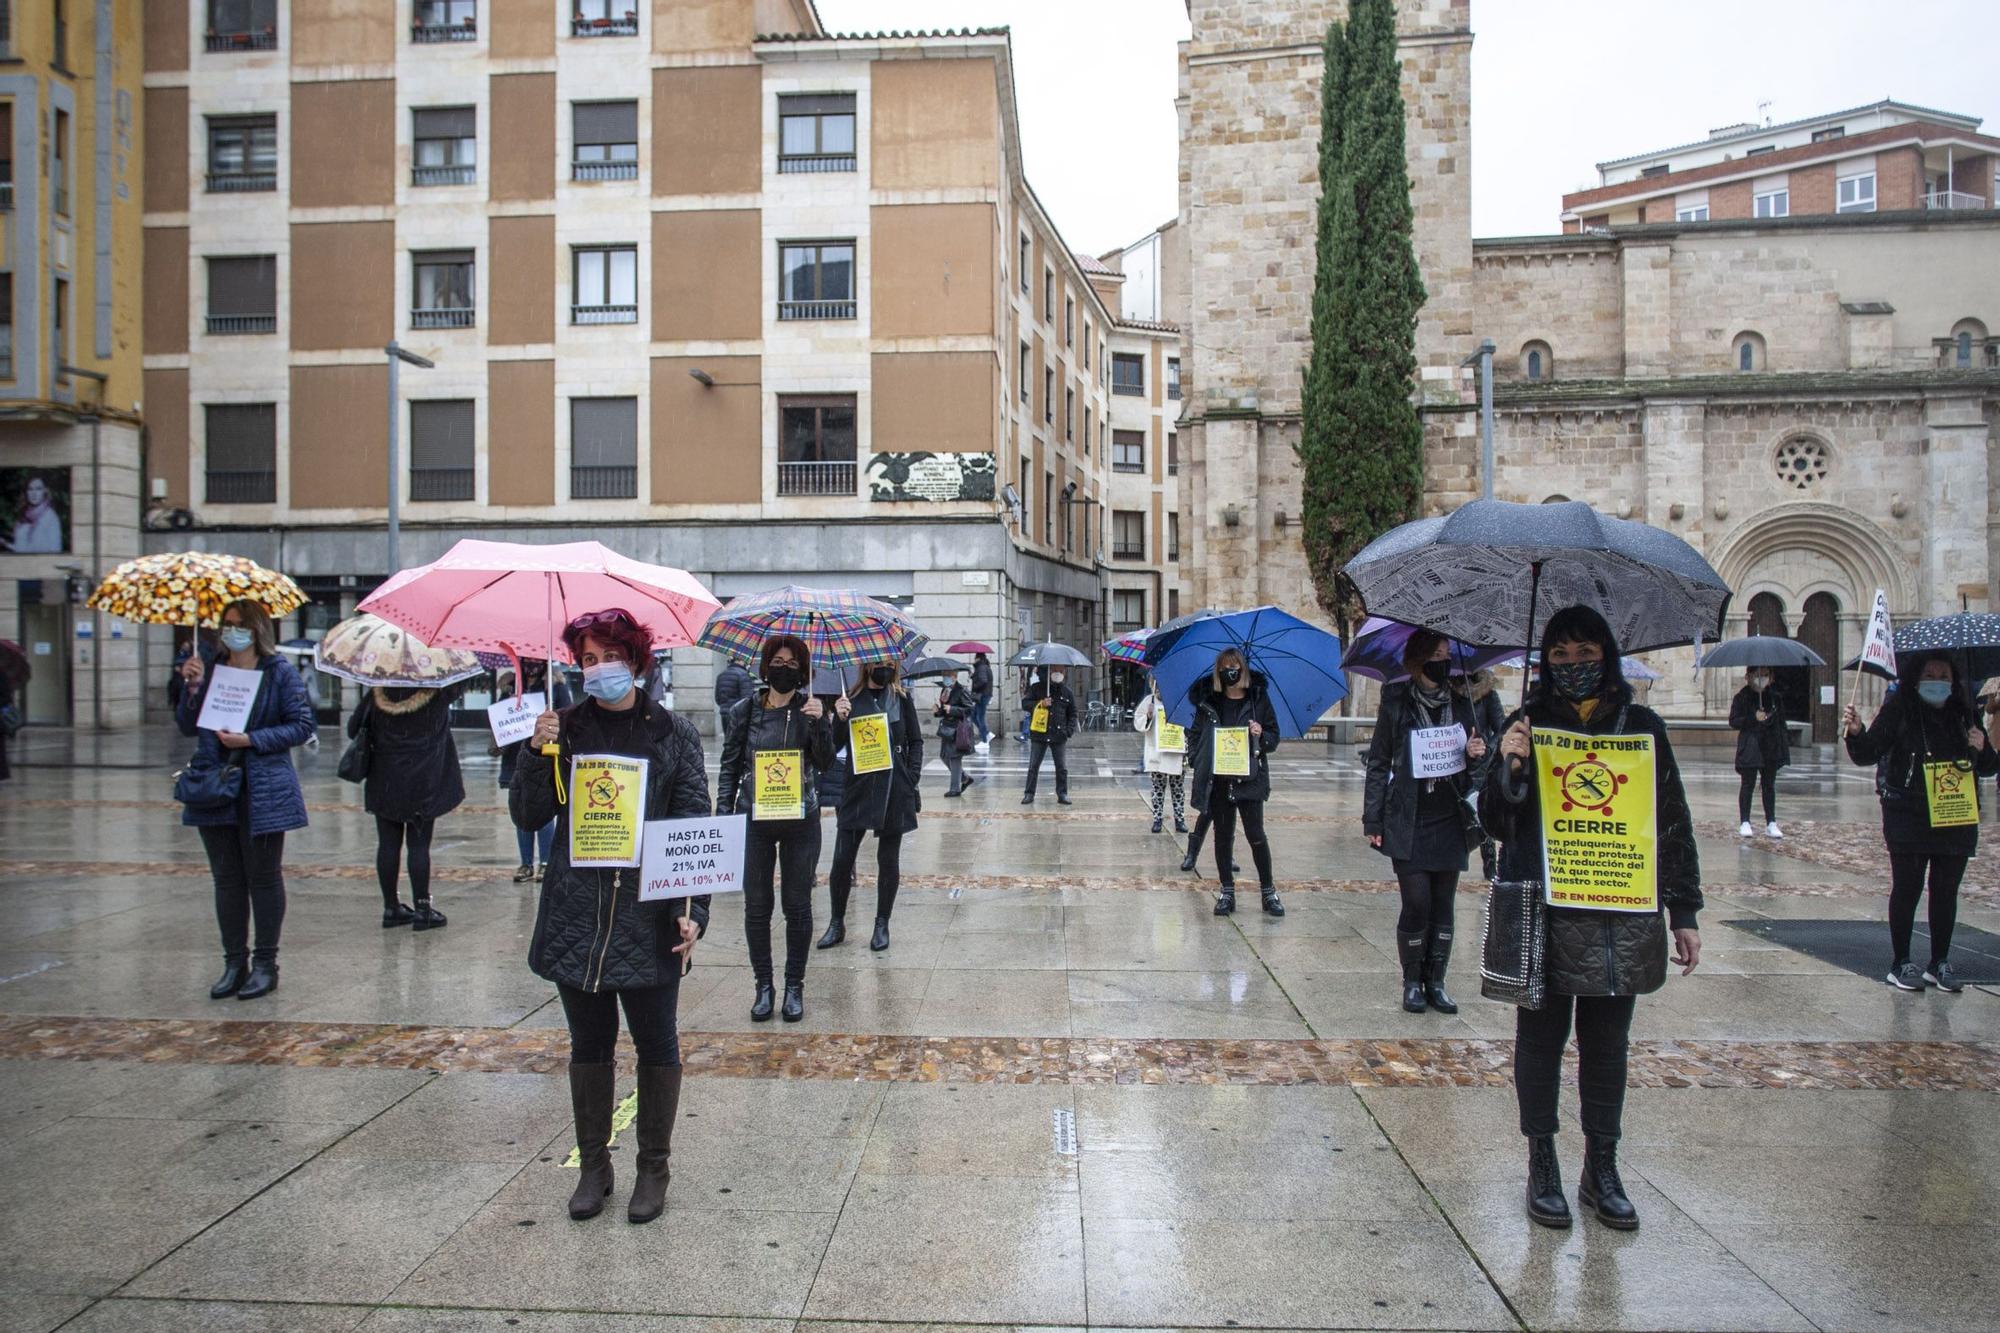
(428, 33)
(625, 27)
(440, 483)
(239, 324)
(266, 40)
(443, 317)
(789, 310)
(604, 314)
(241, 182)
(454, 174)
(796, 164)
(816, 478)
(604, 171)
(242, 487)
(603, 483)
(1127, 465)
(1953, 199)
(1128, 550)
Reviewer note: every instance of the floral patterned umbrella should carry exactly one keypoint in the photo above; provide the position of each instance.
(370, 651)
(191, 588)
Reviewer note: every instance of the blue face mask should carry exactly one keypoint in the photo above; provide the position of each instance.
(607, 681)
(236, 638)
(1936, 693)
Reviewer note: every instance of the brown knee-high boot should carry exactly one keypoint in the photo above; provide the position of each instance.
(591, 1089)
(659, 1101)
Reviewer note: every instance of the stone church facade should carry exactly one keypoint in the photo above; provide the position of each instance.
(1792, 396)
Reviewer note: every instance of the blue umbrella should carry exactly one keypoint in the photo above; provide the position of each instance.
(1300, 663)
(1377, 652)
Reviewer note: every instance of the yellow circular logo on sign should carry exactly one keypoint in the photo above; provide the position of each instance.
(1588, 785)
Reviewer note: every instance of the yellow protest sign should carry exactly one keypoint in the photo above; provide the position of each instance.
(1952, 792)
(868, 742)
(1232, 752)
(778, 785)
(1600, 847)
(1169, 738)
(1039, 721)
(607, 809)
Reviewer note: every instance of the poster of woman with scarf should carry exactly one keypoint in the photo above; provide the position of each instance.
(34, 509)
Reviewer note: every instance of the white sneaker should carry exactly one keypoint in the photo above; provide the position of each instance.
(989, 737)
(1771, 830)
(980, 748)
(1744, 829)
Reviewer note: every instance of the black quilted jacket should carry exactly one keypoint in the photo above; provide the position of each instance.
(591, 931)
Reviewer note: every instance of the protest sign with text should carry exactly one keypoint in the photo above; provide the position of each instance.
(689, 857)
(1600, 847)
(232, 692)
(514, 719)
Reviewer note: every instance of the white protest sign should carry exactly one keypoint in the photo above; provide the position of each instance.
(231, 693)
(1437, 752)
(514, 719)
(688, 857)
(1879, 648)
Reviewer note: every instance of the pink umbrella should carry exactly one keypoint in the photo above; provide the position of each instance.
(514, 598)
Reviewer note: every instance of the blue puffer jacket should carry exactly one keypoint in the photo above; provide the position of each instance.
(281, 718)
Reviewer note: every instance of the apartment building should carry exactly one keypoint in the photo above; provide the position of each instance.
(1887, 156)
(1144, 441)
(70, 390)
(704, 281)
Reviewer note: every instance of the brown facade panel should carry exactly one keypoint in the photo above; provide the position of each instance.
(936, 124)
(1730, 201)
(1157, 448)
(708, 442)
(522, 289)
(703, 25)
(166, 122)
(521, 432)
(342, 32)
(343, 143)
(166, 291)
(941, 401)
(166, 405)
(520, 29)
(339, 436)
(1811, 188)
(166, 35)
(931, 270)
(707, 274)
(708, 133)
(343, 285)
(1899, 179)
(523, 119)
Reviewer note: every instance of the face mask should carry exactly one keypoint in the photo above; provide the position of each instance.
(1936, 693)
(784, 679)
(1576, 680)
(236, 638)
(1760, 682)
(1437, 673)
(1230, 675)
(607, 681)
(881, 676)
(1057, 677)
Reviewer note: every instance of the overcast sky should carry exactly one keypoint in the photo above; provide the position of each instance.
(1557, 86)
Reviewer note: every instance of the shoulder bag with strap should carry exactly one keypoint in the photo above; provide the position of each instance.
(354, 760)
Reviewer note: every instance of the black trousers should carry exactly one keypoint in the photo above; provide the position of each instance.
(1603, 1029)
(391, 838)
(1428, 898)
(249, 881)
(888, 870)
(1753, 777)
(1226, 812)
(650, 1014)
(1039, 746)
(780, 857)
(1906, 886)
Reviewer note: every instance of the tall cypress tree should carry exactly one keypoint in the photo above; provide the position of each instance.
(1361, 441)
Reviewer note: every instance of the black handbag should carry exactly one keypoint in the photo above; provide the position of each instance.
(207, 785)
(355, 758)
(1514, 943)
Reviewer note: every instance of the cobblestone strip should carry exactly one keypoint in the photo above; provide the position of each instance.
(1429, 1063)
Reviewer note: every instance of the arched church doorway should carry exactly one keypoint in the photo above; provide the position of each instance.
(1820, 631)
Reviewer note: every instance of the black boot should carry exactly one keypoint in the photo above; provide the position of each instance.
(1437, 957)
(1546, 1203)
(397, 915)
(1602, 1190)
(263, 979)
(1271, 904)
(880, 940)
(427, 917)
(836, 931)
(235, 971)
(1187, 862)
(1157, 821)
(1180, 824)
(590, 1097)
(659, 1102)
(1410, 949)
(1225, 900)
(795, 1001)
(760, 1008)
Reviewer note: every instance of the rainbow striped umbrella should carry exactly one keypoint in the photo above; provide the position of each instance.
(1128, 647)
(840, 626)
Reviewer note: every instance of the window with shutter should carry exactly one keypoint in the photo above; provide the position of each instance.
(604, 448)
(242, 446)
(606, 141)
(243, 294)
(441, 449)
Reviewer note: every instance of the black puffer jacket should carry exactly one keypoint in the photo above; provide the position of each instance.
(1766, 744)
(591, 931)
(1389, 805)
(888, 801)
(1212, 710)
(413, 771)
(754, 728)
(1601, 953)
(1897, 742)
(1062, 710)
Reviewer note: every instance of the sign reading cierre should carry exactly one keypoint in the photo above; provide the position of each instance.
(1599, 841)
(607, 809)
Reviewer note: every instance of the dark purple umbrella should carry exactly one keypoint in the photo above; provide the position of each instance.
(1377, 652)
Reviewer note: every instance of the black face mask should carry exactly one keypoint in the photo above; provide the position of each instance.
(1437, 673)
(881, 676)
(783, 678)
(1576, 681)
(1230, 675)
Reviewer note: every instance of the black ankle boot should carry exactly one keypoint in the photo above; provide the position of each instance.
(1436, 959)
(795, 1001)
(398, 915)
(1157, 821)
(1225, 901)
(1410, 951)
(760, 1009)
(836, 931)
(1602, 1190)
(1187, 862)
(1546, 1203)
(880, 940)
(427, 917)
(263, 979)
(234, 972)
(1271, 903)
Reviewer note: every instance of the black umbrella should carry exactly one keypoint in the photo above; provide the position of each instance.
(1761, 650)
(1971, 637)
(919, 667)
(1049, 653)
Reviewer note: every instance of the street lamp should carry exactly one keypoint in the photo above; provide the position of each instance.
(396, 357)
(1484, 358)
